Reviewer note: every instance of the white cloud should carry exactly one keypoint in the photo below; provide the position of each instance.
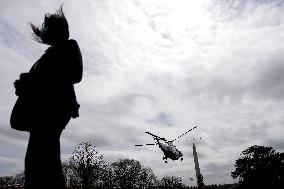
(164, 67)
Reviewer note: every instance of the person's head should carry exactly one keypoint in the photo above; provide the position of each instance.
(53, 30)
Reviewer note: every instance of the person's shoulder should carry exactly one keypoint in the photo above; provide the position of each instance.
(72, 45)
(72, 42)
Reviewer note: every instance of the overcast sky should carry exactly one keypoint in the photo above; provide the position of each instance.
(162, 66)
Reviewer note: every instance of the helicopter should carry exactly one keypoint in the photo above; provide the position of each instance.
(169, 149)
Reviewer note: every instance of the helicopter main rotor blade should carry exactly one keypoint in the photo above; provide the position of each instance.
(138, 144)
(155, 136)
(183, 134)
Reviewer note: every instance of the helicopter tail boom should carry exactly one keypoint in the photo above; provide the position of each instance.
(156, 137)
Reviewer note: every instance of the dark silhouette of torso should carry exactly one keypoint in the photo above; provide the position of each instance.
(54, 101)
(53, 77)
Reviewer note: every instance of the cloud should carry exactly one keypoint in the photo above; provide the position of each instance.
(10, 165)
(163, 67)
(161, 119)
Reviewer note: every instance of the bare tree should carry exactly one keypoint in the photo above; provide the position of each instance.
(16, 181)
(126, 173)
(85, 168)
(129, 173)
(6, 181)
(147, 178)
(171, 182)
(108, 178)
(19, 179)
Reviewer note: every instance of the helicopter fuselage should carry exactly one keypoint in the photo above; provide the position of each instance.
(170, 151)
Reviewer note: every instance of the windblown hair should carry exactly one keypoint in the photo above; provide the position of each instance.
(58, 29)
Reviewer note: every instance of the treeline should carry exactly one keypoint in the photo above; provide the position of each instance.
(87, 169)
(258, 167)
(12, 182)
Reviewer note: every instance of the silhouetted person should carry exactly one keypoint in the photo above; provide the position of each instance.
(49, 85)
